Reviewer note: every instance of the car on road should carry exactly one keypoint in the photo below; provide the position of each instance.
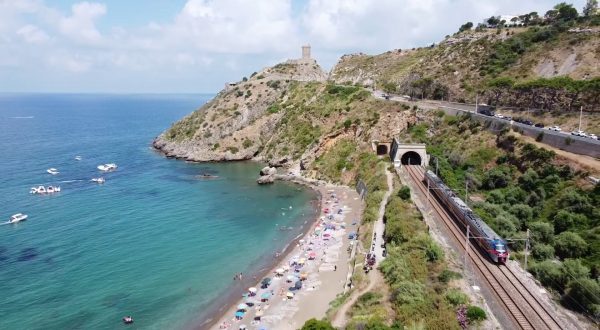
(579, 133)
(498, 115)
(554, 128)
(593, 136)
(540, 125)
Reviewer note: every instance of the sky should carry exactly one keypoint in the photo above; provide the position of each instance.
(196, 46)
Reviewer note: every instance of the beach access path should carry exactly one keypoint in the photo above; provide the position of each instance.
(325, 275)
(374, 277)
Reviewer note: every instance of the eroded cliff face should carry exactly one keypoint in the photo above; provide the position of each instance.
(240, 119)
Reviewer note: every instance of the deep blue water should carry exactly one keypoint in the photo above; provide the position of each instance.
(154, 241)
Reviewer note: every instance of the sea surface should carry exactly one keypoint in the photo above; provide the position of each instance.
(155, 241)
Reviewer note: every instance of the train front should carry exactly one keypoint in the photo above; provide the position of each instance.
(500, 252)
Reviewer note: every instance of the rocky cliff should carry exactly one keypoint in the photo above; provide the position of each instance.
(295, 112)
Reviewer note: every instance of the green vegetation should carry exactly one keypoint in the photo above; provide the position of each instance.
(526, 187)
(337, 159)
(314, 324)
(186, 128)
(475, 314)
(414, 269)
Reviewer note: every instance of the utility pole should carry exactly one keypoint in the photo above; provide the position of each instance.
(580, 114)
(466, 249)
(436, 166)
(466, 190)
(476, 103)
(526, 248)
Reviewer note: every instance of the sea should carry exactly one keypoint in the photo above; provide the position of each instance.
(156, 241)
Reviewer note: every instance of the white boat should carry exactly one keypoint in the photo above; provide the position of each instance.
(52, 171)
(17, 217)
(98, 180)
(77, 157)
(41, 190)
(107, 167)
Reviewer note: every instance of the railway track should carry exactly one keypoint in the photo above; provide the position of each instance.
(526, 310)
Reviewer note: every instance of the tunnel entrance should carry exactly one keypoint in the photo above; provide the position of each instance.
(382, 149)
(410, 158)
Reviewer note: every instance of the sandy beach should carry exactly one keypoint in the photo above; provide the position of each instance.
(319, 260)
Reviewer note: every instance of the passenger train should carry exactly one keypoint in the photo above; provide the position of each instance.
(486, 238)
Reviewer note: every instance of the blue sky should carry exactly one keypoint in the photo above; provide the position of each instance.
(129, 46)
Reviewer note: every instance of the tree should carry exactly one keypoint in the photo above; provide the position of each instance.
(465, 27)
(565, 220)
(566, 12)
(493, 21)
(404, 193)
(591, 7)
(529, 180)
(584, 294)
(314, 324)
(570, 245)
(541, 232)
(542, 252)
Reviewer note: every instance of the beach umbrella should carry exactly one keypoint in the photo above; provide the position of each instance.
(252, 290)
(242, 327)
(279, 271)
(239, 315)
(250, 301)
(286, 268)
(302, 260)
(290, 295)
(259, 313)
(242, 306)
(266, 281)
(291, 278)
(303, 276)
(265, 295)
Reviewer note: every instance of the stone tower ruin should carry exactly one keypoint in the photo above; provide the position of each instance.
(306, 52)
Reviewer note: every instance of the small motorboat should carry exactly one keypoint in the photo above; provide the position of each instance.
(127, 319)
(107, 167)
(41, 190)
(17, 217)
(98, 180)
(78, 158)
(52, 171)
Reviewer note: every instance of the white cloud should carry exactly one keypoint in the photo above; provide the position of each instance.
(32, 34)
(81, 25)
(209, 42)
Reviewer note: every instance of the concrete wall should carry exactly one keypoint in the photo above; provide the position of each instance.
(563, 141)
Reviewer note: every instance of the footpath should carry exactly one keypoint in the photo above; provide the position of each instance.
(374, 278)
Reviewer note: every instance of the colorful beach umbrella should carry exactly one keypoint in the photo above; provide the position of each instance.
(265, 295)
(242, 306)
(252, 290)
(290, 295)
(239, 314)
(279, 271)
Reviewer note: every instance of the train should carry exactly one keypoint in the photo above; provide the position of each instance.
(490, 242)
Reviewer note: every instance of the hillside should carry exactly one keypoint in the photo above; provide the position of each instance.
(552, 67)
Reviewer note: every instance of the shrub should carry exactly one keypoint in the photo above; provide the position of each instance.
(404, 193)
(541, 232)
(570, 245)
(314, 324)
(347, 123)
(540, 137)
(233, 150)
(475, 314)
(274, 108)
(408, 292)
(433, 251)
(584, 295)
(548, 272)
(247, 143)
(542, 251)
(447, 275)
(456, 297)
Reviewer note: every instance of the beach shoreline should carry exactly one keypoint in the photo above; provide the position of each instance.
(249, 279)
(324, 273)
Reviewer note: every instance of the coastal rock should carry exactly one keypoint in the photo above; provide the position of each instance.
(267, 170)
(266, 179)
(278, 162)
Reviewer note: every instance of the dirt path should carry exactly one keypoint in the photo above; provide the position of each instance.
(375, 279)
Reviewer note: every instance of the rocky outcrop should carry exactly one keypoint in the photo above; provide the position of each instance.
(267, 175)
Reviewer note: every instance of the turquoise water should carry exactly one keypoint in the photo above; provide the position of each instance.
(154, 241)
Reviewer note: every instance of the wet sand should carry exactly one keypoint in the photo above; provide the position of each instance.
(326, 275)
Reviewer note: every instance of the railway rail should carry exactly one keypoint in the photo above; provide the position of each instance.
(526, 310)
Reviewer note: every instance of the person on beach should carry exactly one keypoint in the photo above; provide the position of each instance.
(334, 267)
